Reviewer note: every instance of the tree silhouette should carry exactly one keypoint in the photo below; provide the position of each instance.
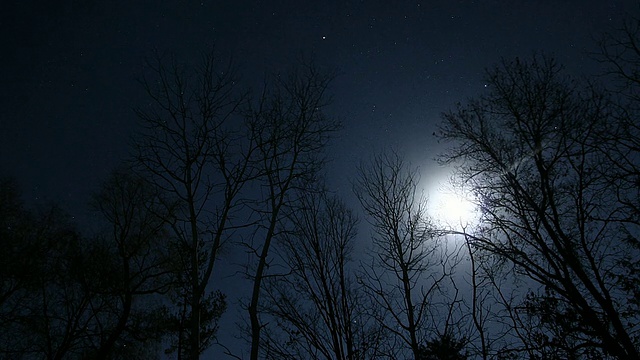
(189, 149)
(408, 269)
(46, 309)
(446, 347)
(537, 152)
(66, 296)
(290, 130)
(136, 257)
(14, 235)
(317, 304)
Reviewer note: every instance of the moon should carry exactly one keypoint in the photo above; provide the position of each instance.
(456, 208)
(452, 207)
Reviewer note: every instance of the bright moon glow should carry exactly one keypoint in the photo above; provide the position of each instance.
(451, 208)
(456, 208)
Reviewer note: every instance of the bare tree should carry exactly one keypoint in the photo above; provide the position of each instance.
(191, 149)
(14, 232)
(46, 313)
(317, 305)
(70, 297)
(290, 129)
(620, 55)
(480, 308)
(408, 269)
(136, 266)
(534, 152)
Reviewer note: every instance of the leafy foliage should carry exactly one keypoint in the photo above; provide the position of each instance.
(446, 347)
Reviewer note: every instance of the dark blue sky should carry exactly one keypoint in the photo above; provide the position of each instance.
(68, 69)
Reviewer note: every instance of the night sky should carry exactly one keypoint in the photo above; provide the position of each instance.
(68, 70)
